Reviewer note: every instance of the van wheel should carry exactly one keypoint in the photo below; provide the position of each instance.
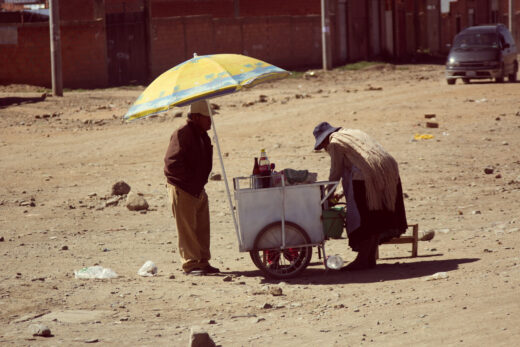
(512, 77)
(465, 80)
(451, 81)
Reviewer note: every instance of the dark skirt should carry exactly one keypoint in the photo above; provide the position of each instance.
(383, 224)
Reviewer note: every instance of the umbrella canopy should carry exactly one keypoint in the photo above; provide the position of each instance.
(202, 77)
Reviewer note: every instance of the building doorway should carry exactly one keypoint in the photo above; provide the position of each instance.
(126, 48)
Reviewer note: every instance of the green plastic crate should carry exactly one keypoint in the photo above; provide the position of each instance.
(333, 221)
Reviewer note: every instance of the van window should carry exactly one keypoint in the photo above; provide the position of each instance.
(476, 40)
(508, 37)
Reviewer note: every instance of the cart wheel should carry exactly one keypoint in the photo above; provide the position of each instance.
(278, 264)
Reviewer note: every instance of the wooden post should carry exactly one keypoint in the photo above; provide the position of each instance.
(54, 27)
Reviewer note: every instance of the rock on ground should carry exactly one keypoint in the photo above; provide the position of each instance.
(135, 202)
(120, 188)
(200, 338)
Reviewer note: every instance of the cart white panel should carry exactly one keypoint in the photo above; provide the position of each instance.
(256, 208)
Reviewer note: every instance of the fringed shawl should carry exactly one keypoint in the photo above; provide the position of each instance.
(380, 170)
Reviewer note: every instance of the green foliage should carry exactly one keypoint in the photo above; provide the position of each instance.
(360, 65)
(296, 74)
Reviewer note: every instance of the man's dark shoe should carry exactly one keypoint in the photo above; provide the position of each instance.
(210, 269)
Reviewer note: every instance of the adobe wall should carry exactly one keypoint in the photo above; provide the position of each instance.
(83, 48)
(28, 59)
(227, 9)
(286, 41)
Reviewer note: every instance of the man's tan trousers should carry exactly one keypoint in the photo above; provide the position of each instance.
(192, 219)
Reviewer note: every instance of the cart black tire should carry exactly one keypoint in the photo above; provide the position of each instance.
(465, 80)
(451, 81)
(293, 261)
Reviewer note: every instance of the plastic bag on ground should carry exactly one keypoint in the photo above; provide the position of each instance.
(148, 269)
(95, 272)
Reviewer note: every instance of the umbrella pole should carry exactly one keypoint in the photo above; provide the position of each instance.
(223, 172)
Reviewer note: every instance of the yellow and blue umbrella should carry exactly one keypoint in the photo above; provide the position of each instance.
(202, 77)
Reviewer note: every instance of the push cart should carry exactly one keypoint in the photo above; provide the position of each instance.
(279, 225)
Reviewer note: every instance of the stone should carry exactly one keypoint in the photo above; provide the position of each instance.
(65, 248)
(215, 177)
(120, 188)
(266, 306)
(432, 124)
(489, 170)
(40, 330)
(429, 116)
(427, 236)
(135, 202)
(112, 201)
(275, 291)
(200, 338)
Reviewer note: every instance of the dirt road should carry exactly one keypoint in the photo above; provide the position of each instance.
(61, 156)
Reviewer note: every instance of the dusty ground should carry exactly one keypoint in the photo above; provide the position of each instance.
(63, 155)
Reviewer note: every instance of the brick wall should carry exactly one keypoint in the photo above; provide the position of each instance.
(82, 10)
(279, 7)
(29, 60)
(120, 6)
(226, 8)
(173, 8)
(83, 56)
(289, 42)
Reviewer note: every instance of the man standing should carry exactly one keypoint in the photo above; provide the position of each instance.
(187, 166)
(372, 188)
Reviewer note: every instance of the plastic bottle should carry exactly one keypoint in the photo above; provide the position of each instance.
(265, 169)
(334, 262)
(264, 161)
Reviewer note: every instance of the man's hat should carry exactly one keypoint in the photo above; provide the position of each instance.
(201, 107)
(321, 132)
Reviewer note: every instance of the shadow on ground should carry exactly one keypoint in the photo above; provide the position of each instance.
(316, 274)
(6, 102)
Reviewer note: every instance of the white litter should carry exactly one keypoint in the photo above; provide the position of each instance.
(437, 276)
(95, 272)
(148, 269)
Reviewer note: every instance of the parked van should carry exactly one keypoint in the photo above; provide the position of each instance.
(482, 52)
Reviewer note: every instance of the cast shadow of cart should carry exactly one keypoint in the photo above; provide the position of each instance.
(317, 275)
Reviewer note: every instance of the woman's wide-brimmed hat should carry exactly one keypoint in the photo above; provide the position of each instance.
(321, 132)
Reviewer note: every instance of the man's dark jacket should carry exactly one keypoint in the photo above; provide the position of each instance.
(189, 159)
